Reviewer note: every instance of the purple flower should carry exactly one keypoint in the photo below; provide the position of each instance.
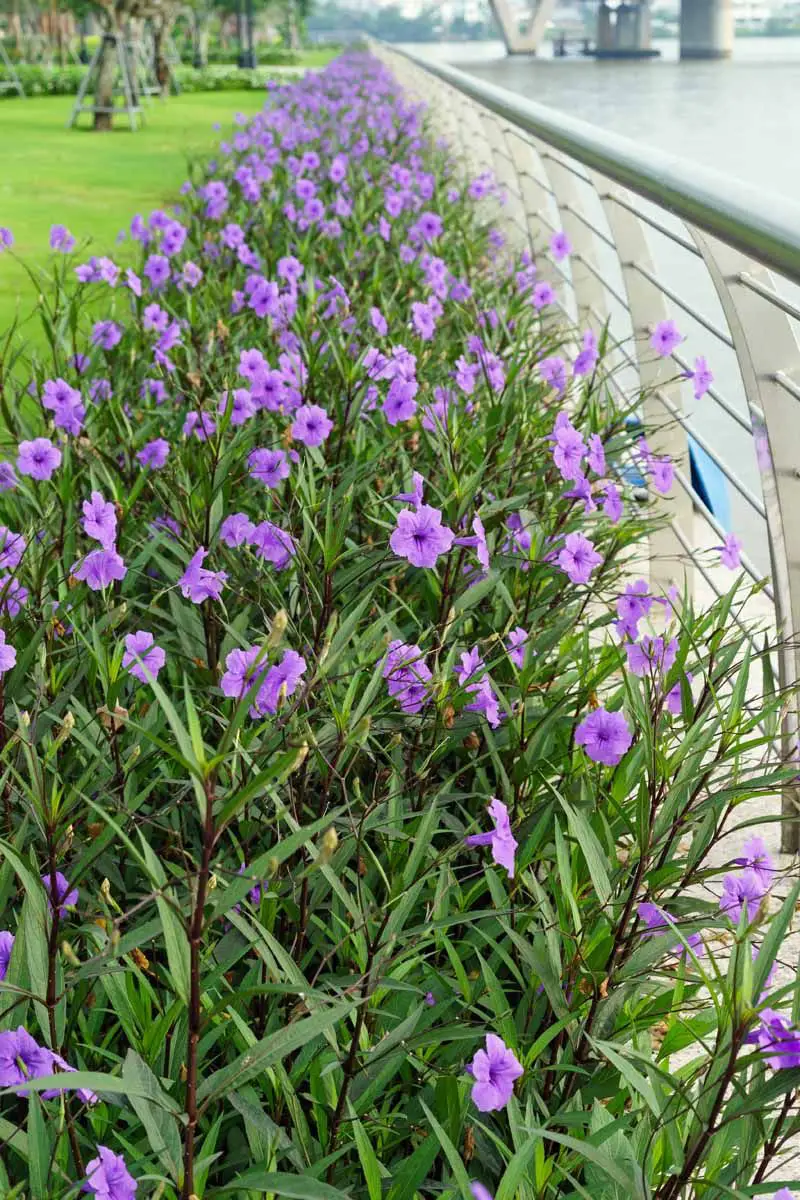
(100, 520)
(280, 681)
(415, 496)
(612, 503)
(378, 322)
(154, 454)
(757, 859)
(268, 466)
(21, 1057)
(423, 321)
(61, 239)
(133, 282)
(596, 457)
(494, 1071)
(553, 370)
(663, 474)
(478, 541)
(242, 406)
(578, 558)
(407, 676)
(141, 654)
(779, 1043)
(656, 921)
(742, 894)
(783, 1194)
(569, 448)
(6, 238)
(605, 736)
(65, 403)
(236, 530)
(400, 404)
(108, 1177)
(157, 270)
(479, 1192)
(12, 548)
(6, 946)
(99, 568)
(560, 246)
(8, 655)
(8, 477)
(651, 654)
(674, 698)
(515, 643)
(632, 606)
(13, 596)
(420, 536)
(65, 896)
(273, 544)
(311, 425)
(587, 357)
(106, 334)
(191, 274)
(38, 458)
(501, 839)
(484, 701)
(201, 424)
(543, 294)
(665, 338)
(242, 669)
(702, 377)
(730, 552)
(197, 583)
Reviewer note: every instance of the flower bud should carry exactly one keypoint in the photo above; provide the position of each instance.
(64, 730)
(69, 954)
(328, 845)
(279, 623)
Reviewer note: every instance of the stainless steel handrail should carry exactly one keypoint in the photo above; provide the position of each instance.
(764, 227)
(612, 197)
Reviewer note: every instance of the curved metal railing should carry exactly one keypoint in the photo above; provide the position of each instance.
(656, 238)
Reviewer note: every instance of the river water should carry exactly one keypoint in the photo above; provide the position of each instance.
(740, 117)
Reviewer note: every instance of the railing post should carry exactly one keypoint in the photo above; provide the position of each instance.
(766, 346)
(647, 307)
(590, 295)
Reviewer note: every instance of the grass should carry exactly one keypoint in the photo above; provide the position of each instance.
(94, 183)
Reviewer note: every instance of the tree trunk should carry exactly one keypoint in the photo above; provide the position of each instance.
(293, 35)
(104, 88)
(163, 73)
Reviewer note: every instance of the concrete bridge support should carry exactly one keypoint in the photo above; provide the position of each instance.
(525, 40)
(706, 28)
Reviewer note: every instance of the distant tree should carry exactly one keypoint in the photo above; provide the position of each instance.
(116, 18)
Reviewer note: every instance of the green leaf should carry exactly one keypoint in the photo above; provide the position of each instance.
(584, 835)
(162, 1132)
(272, 1049)
(298, 1187)
(452, 1155)
(369, 1161)
(40, 1152)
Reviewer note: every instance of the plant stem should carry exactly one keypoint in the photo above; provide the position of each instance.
(195, 933)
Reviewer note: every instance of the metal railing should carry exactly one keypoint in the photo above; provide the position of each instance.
(656, 238)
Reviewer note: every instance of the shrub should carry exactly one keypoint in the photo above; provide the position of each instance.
(65, 81)
(342, 747)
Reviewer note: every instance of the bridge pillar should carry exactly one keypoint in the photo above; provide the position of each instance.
(706, 28)
(624, 30)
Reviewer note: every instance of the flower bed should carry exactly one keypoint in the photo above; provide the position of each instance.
(360, 804)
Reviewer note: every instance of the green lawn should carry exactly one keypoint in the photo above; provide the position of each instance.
(94, 183)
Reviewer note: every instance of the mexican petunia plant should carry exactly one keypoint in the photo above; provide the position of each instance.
(364, 797)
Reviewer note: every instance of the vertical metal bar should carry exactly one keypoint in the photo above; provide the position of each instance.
(765, 344)
(647, 307)
(589, 292)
